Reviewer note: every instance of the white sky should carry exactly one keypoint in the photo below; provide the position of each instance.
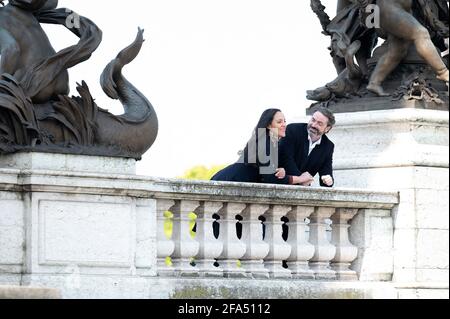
(209, 67)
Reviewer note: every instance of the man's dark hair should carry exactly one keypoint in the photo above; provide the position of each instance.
(328, 114)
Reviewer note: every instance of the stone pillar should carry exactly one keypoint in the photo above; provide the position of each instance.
(346, 252)
(210, 247)
(403, 150)
(252, 235)
(279, 249)
(324, 250)
(233, 248)
(302, 250)
(372, 231)
(186, 248)
(165, 244)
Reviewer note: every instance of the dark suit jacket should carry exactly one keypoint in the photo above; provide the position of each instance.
(294, 150)
(251, 173)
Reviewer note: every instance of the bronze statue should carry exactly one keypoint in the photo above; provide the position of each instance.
(19, 28)
(402, 68)
(35, 111)
(350, 39)
(403, 30)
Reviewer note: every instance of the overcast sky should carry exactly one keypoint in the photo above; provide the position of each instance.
(209, 67)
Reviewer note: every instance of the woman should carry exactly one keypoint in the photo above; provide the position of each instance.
(259, 161)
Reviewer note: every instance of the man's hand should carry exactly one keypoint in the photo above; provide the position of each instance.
(328, 180)
(306, 179)
(280, 173)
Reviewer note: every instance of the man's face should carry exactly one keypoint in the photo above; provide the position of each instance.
(318, 126)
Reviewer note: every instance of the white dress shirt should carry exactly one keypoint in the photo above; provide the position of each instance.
(313, 145)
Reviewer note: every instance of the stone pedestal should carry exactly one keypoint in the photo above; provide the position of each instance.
(74, 216)
(404, 150)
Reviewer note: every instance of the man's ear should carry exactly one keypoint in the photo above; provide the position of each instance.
(328, 129)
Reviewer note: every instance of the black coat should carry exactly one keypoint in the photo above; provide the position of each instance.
(294, 150)
(246, 172)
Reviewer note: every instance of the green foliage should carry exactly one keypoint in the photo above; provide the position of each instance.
(202, 173)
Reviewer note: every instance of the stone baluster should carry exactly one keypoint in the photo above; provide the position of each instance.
(210, 247)
(324, 250)
(165, 244)
(186, 248)
(279, 250)
(302, 250)
(252, 236)
(233, 248)
(346, 252)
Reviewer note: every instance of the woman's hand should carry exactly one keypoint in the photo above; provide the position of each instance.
(306, 179)
(280, 173)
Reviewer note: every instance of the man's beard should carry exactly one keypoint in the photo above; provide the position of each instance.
(313, 131)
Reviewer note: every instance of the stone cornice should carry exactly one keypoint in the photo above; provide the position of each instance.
(149, 187)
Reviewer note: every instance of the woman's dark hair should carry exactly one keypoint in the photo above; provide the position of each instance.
(267, 118)
(260, 133)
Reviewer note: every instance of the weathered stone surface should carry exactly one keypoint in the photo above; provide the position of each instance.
(432, 209)
(431, 290)
(200, 288)
(12, 236)
(432, 248)
(423, 293)
(94, 235)
(393, 178)
(404, 137)
(404, 150)
(433, 275)
(405, 250)
(11, 245)
(422, 208)
(372, 232)
(71, 163)
(10, 279)
(49, 175)
(146, 236)
(14, 292)
(88, 229)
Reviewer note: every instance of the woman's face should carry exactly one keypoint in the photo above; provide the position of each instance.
(278, 125)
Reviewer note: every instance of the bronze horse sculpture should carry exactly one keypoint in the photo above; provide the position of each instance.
(36, 112)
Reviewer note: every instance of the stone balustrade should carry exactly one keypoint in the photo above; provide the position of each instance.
(284, 236)
(83, 230)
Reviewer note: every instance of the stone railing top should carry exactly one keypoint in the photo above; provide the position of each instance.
(150, 187)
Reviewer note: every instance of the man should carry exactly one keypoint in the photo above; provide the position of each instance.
(306, 150)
